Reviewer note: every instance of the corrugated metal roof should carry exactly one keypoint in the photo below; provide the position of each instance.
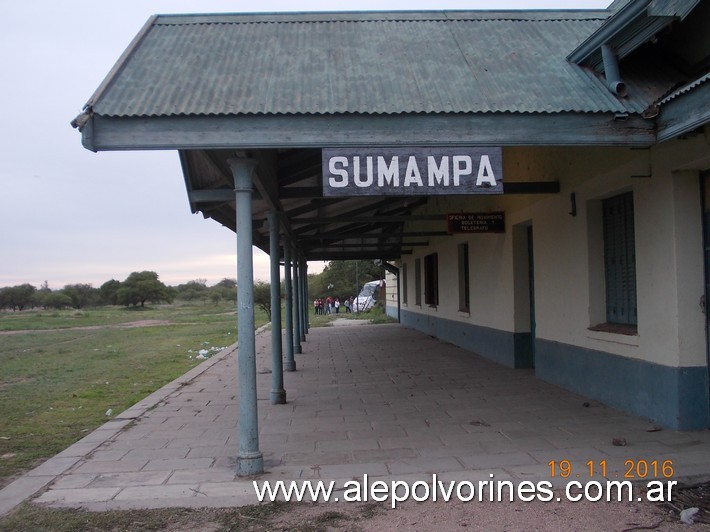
(689, 87)
(672, 8)
(373, 63)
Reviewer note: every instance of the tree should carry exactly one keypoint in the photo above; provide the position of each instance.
(140, 287)
(215, 296)
(227, 283)
(108, 292)
(227, 289)
(81, 294)
(17, 297)
(192, 290)
(344, 278)
(57, 300)
(41, 295)
(317, 285)
(262, 296)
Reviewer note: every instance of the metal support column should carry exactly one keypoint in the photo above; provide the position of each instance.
(278, 394)
(304, 301)
(289, 363)
(296, 305)
(249, 459)
(306, 298)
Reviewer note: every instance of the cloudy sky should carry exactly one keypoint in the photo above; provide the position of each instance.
(69, 215)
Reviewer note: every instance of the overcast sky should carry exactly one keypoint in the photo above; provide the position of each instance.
(70, 215)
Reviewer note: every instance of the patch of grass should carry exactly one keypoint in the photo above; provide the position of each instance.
(370, 510)
(57, 385)
(331, 516)
(375, 315)
(258, 517)
(321, 320)
(378, 315)
(40, 519)
(57, 319)
(263, 512)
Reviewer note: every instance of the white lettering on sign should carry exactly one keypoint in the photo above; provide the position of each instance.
(387, 174)
(485, 172)
(438, 174)
(462, 166)
(412, 175)
(403, 171)
(338, 171)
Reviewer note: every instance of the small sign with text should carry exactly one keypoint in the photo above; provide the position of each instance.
(476, 222)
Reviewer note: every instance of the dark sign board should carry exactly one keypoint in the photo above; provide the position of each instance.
(476, 222)
(416, 171)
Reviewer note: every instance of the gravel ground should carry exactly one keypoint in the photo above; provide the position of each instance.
(365, 517)
(425, 516)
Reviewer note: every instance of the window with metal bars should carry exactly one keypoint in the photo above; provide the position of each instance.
(418, 282)
(431, 279)
(464, 283)
(620, 259)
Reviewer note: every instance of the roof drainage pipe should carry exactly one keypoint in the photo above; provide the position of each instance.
(611, 72)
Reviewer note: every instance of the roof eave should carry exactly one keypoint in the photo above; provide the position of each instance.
(615, 25)
(685, 113)
(299, 131)
(628, 28)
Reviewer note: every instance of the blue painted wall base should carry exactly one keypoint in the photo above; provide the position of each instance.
(510, 349)
(674, 397)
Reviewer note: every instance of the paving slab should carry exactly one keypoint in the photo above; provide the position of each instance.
(377, 400)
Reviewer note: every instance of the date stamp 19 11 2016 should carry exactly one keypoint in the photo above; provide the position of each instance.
(633, 469)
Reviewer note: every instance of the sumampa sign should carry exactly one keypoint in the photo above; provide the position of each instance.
(412, 171)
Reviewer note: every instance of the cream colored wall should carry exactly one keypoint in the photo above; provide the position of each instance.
(568, 252)
(391, 289)
(490, 271)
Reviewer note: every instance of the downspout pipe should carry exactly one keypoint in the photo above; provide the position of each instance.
(611, 71)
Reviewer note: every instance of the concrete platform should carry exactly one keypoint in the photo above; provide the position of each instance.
(380, 400)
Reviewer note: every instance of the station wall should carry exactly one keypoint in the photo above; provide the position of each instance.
(656, 367)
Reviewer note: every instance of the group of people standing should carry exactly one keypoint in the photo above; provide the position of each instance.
(331, 305)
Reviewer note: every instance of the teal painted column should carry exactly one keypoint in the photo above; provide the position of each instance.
(289, 363)
(306, 298)
(278, 394)
(249, 459)
(296, 306)
(304, 301)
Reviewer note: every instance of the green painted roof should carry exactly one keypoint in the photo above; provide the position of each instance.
(363, 63)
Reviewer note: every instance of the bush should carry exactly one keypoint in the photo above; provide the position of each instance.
(57, 300)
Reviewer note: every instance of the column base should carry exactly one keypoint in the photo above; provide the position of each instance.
(297, 349)
(249, 464)
(289, 365)
(278, 397)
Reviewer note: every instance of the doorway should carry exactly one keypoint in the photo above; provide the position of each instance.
(705, 195)
(524, 295)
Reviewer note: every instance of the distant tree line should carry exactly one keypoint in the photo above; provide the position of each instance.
(136, 290)
(340, 279)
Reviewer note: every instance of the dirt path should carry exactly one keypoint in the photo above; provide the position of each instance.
(128, 325)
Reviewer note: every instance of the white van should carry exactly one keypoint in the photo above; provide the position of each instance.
(367, 297)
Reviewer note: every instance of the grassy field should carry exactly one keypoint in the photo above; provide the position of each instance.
(60, 374)
(62, 371)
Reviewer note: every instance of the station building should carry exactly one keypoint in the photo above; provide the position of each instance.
(535, 182)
